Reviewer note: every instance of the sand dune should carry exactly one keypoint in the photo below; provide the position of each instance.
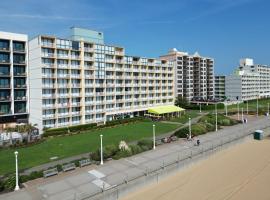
(241, 172)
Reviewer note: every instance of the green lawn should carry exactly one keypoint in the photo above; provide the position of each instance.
(184, 118)
(66, 146)
(252, 105)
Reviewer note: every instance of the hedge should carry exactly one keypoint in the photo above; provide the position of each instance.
(86, 127)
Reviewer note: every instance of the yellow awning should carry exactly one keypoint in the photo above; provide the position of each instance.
(165, 109)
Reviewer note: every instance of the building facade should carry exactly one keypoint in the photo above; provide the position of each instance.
(77, 82)
(220, 87)
(253, 81)
(194, 75)
(13, 78)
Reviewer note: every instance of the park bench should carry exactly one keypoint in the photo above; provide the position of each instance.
(50, 172)
(85, 162)
(68, 167)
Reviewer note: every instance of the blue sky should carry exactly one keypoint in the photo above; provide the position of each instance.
(226, 30)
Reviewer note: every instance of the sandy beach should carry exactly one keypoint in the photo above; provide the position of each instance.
(240, 172)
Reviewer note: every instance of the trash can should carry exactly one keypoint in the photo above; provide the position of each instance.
(258, 135)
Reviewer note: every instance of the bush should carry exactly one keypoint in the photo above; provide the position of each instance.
(145, 144)
(10, 182)
(110, 151)
(2, 187)
(122, 154)
(182, 133)
(135, 149)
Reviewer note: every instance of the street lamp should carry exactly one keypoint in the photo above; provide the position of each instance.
(101, 150)
(216, 116)
(257, 107)
(247, 107)
(237, 110)
(189, 125)
(17, 178)
(226, 108)
(268, 109)
(154, 137)
(200, 107)
(242, 115)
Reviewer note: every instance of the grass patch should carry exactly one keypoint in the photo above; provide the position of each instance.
(184, 119)
(67, 146)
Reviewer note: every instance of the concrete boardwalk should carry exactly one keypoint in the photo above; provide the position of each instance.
(89, 181)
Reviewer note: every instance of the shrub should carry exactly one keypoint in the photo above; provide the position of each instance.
(145, 143)
(182, 133)
(10, 182)
(110, 151)
(122, 154)
(198, 129)
(135, 149)
(2, 187)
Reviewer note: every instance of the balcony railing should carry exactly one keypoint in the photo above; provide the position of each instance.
(4, 48)
(5, 98)
(4, 74)
(19, 73)
(20, 98)
(20, 86)
(4, 61)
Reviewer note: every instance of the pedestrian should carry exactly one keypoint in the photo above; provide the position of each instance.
(198, 142)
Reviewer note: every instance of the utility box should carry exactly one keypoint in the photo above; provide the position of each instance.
(258, 135)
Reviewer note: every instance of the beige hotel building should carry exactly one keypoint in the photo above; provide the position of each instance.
(81, 80)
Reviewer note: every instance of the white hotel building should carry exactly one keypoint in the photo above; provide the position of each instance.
(81, 80)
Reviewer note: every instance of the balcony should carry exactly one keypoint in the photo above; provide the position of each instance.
(47, 44)
(75, 104)
(87, 58)
(63, 114)
(75, 94)
(21, 74)
(48, 65)
(5, 98)
(62, 66)
(5, 49)
(4, 74)
(48, 55)
(88, 49)
(110, 60)
(63, 95)
(20, 98)
(88, 76)
(75, 112)
(75, 85)
(89, 94)
(48, 106)
(63, 75)
(63, 86)
(20, 86)
(48, 95)
(74, 57)
(5, 61)
(75, 76)
(63, 56)
(75, 66)
(48, 116)
(5, 112)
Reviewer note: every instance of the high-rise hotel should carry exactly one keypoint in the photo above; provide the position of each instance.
(82, 80)
(194, 75)
(13, 78)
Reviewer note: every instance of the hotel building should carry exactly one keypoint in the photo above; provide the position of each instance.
(81, 80)
(13, 78)
(194, 75)
(220, 87)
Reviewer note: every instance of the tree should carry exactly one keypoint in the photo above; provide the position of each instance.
(181, 102)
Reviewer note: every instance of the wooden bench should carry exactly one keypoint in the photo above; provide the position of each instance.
(85, 162)
(50, 172)
(68, 167)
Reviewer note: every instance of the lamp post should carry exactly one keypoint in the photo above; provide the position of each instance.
(257, 107)
(189, 125)
(200, 107)
(268, 108)
(154, 137)
(17, 176)
(216, 116)
(242, 115)
(226, 108)
(101, 150)
(247, 107)
(237, 110)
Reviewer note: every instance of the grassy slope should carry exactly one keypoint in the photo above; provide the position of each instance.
(77, 144)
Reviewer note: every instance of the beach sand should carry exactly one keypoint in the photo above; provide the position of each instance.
(240, 172)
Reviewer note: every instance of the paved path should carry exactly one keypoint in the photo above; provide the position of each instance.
(70, 185)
